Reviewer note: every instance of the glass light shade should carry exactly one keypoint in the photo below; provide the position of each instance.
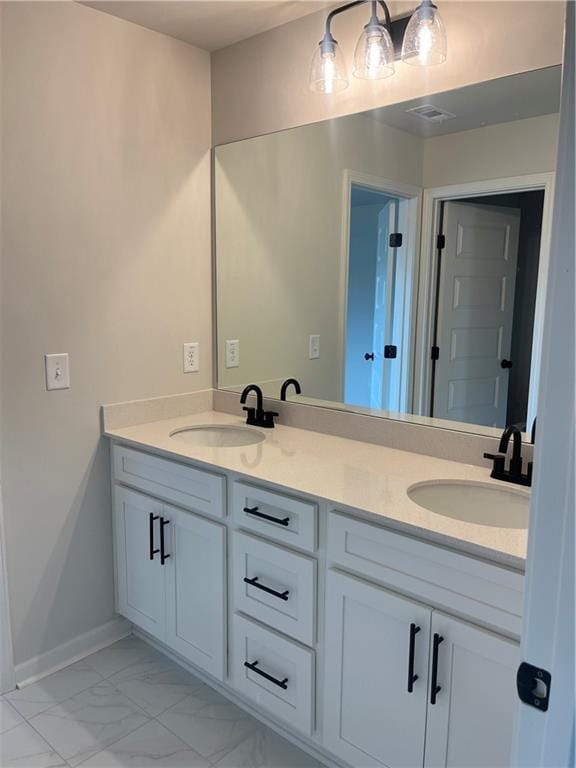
(328, 70)
(425, 37)
(374, 54)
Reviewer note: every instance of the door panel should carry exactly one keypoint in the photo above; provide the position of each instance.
(141, 581)
(475, 312)
(371, 718)
(196, 590)
(471, 723)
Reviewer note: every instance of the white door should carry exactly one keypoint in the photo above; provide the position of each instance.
(475, 312)
(471, 723)
(139, 574)
(196, 589)
(371, 719)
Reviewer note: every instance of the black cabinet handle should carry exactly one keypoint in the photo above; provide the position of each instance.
(411, 676)
(151, 518)
(255, 583)
(368, 356)
(254, 667)
(163, 555)
(285, 521)
(506, 364)
(434, 687)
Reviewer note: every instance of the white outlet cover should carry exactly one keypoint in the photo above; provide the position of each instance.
(57, 368)
(314, 347)
(191, 354)
(232, 353)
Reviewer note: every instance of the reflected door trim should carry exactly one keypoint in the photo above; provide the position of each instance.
(409, 224)
(432, 199)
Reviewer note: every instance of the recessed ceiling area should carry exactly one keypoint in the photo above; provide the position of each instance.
(209, 24)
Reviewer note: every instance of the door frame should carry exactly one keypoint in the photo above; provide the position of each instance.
(431, 206)
(412, 195)
(7, 671)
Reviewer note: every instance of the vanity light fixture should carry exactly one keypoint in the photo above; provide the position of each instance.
(424, 44)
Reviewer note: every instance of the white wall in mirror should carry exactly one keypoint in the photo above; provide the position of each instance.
(294, 209)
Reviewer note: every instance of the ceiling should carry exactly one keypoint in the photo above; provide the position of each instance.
(209, 24)
(503, 100)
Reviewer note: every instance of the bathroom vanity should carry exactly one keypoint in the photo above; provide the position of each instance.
(298, 576)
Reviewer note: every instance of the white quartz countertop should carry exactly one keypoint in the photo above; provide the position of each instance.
(349, 474)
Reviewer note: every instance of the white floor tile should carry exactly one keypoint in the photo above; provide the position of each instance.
(22, 747)
(122, 654)
(209, 723)
(87, 723)
(150, 745)
(265, 749)
(53, 689)
(155, 684)
(9, 717)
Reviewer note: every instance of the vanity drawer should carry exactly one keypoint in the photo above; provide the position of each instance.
(179, 483)
(280, 675)
(463, 584)
(271, 514)
(283, 589)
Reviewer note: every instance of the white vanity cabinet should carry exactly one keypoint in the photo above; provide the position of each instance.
(171, 576)
(415, 687)
(140, 579)
(380, 649)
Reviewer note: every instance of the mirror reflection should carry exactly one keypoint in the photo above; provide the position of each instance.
(394, 262)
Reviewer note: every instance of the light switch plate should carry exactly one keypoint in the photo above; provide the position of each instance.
(232, 353)
(57, 371)
(314, 347)
(191, 357)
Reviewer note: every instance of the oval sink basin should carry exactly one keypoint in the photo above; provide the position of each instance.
(218, 436)
(473, 502)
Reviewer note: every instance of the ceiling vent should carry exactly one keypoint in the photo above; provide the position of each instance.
(431, 113)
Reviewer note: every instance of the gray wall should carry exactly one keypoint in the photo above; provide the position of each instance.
(105, 255)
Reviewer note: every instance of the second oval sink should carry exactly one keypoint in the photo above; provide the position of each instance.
(218, 436)
(478, 503)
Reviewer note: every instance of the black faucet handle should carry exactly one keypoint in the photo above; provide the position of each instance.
(251, 417)
(268, 419)
(499, 460)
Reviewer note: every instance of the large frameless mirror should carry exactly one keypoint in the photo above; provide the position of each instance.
(394, 262)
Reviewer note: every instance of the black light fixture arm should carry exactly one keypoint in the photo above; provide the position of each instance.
(374, 19)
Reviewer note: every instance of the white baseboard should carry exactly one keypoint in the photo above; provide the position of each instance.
(71, 651)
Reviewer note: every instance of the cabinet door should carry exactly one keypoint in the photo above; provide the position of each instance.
(196, 589)
(371, 719)
(139, 574)
(471, 722)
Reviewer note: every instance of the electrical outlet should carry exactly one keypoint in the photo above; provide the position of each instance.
(191, 357)
(314, 347)
(57, 369)
(232, 353)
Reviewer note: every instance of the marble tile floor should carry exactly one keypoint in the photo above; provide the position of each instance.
(128, 705)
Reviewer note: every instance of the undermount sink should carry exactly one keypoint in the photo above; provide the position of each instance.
(218, 436)
(471, 502)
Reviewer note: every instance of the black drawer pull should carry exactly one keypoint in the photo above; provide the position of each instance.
(434, 687)
(412, 648)
(254, 667)
(255, 583)
(163, 555)
(151, 518)
(285, 521)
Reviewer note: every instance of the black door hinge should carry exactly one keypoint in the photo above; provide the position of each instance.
(441, 242)
(435, 353)
(395, 240)
(533, 686)
(390, 351)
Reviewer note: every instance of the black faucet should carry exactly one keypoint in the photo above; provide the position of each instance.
(514, 472)
(257, 417)
(290, 382)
